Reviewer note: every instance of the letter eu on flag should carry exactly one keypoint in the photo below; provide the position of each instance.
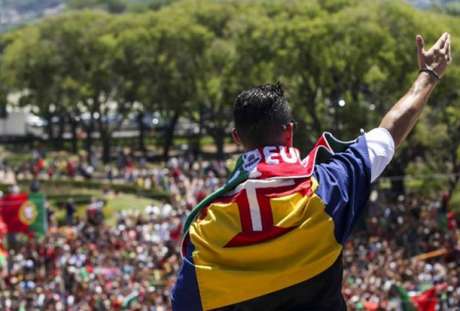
(24, 213)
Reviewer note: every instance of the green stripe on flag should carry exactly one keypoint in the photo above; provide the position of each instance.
(39, 226)
(406, 302)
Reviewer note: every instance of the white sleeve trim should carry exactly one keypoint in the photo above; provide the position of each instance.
(381, 149)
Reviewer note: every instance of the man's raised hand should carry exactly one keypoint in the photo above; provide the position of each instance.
(438, 57)
(402, 117)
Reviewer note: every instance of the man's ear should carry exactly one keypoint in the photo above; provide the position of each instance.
(236, 137)
(288, 134)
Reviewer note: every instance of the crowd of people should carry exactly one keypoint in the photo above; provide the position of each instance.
(132, 265)
(408, 242)
(126, 169)
(90, 265)
(95, 267)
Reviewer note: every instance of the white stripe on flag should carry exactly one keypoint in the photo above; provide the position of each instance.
(251, 187)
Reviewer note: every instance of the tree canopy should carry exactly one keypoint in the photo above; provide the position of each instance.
(343, 64)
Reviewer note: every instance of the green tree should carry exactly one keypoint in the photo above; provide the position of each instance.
(91, 76)
(64, 67)
(239, 56)
(32, 68)
(133, 56)
(173, 67)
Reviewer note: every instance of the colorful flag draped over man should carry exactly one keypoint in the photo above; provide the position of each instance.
(24, 213)
(268, 209)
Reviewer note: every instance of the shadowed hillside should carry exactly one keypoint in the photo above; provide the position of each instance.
(17, 12)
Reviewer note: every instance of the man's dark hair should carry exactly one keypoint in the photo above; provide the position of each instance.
(260, 114)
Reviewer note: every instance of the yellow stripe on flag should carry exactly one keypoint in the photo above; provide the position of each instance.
(234, 274)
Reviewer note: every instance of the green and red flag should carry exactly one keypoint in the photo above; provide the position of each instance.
(24, 213)
(424, 301)
(406, 302)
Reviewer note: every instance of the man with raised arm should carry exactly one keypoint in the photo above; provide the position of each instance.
(271, 237)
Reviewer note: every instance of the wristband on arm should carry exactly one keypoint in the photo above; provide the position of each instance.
(431, 72)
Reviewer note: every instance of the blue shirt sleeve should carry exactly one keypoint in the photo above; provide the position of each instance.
(344, 186)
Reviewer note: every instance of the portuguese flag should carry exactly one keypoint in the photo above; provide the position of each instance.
(425, 301)
(24, 213)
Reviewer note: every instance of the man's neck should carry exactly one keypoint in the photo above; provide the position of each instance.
(261, 146)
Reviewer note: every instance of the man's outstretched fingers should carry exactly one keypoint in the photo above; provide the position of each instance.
(446, 52)
(420, 44)
(441, 41)
(449, 53)
(445, 47)
(420, 50)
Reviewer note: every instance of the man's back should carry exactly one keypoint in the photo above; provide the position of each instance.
(277, 232)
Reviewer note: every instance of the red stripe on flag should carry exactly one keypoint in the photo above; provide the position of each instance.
(9, 209)
(427, 300)
(254, 237)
